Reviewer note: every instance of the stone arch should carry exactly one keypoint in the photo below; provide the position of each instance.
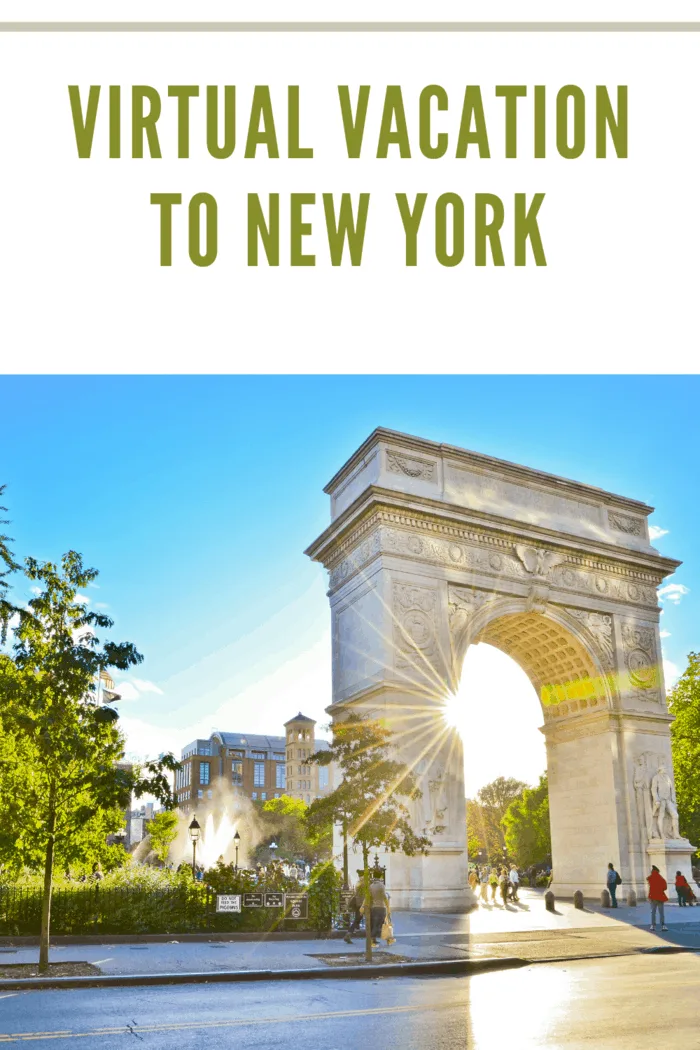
(432, 548)
(566, 663)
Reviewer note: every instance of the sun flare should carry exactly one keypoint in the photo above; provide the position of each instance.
(452, 711)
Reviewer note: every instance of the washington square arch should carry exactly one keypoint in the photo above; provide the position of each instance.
(432, 549)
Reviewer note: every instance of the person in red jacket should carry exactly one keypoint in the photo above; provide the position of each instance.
(684, 891)
(657, 896)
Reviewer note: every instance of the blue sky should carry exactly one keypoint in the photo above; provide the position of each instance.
(196, 496)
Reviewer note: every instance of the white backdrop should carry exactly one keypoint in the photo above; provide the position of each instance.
(79, 276)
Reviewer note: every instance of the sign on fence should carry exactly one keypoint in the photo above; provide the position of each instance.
(274, 900)
(253, 900)
(228, 902)
(296, 905)
(346, 897)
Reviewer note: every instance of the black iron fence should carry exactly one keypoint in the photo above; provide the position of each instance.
(93, 909)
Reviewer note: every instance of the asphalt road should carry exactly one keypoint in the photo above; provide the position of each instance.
(630, 1003)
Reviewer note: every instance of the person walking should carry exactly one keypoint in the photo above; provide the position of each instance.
(514, 878)
(683, 889)
(657, 896)
(503, 885)
(380, 909)
(484, 878)
(613, 881)
(493, 883)
(356, 902)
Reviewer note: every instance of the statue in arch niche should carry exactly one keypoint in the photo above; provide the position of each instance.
(655, 794)
(439, 800)
(663, 794)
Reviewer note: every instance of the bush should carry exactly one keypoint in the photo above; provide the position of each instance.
(324, 895)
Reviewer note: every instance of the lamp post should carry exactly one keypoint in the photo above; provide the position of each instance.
(195, 831)
(236, 842)
(272, 847)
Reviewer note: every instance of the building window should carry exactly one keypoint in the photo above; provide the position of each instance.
(323, 776)
(204, 772)
(263, 795)
(259, 755)
(277, 794)
(210, 794)
(237, 773)
(259, 774)
(280, 776)
(254, 795)
(200, 793)
(278, 756)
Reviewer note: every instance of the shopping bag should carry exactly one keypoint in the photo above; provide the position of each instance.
(388, 932)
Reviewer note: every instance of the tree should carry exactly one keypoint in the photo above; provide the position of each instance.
(476, 837)
(492, 801)
(369, 799)
(8, 565)
(284, 818)
(162, 832)
(684, 705)
(526, 825)
(60, 790)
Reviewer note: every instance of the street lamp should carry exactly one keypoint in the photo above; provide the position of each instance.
(272, 847)
(195, 831)
(236, 842)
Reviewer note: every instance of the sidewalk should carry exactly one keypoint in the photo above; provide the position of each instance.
(526, 931)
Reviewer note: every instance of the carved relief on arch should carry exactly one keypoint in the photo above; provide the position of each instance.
(642, 662)
(463, 602)
(598, 627)
(415, 612)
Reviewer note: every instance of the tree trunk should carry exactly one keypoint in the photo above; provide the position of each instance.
(368, 905)
(346, 884)
(48, 885)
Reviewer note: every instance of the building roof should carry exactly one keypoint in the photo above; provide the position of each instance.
(252, 742)
(300, 718)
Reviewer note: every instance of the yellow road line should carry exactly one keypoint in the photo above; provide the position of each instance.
(186, 1026)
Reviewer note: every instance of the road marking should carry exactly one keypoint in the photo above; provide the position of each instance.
(9, 995)
(188, 1026)
(98, 962)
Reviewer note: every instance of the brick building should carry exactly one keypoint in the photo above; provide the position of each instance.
(261, 767)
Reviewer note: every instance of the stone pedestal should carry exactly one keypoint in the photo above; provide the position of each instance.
(670, 856)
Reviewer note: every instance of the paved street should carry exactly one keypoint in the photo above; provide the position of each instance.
(633, 1003)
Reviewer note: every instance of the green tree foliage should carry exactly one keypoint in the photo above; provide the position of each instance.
(370, 799)
(684, 705)
(162, 832)
(8, 565)
(284, 819)
(485, 813)
(60, 788)
(526, 825)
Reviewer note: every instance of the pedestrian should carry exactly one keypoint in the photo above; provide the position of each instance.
(682, 889)
(613, 881)
(356, 902)
(514, 877)
(503, 884)
(657, 896)
(380, 909)
(473, 879)
(484, 884)
(493, 883)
